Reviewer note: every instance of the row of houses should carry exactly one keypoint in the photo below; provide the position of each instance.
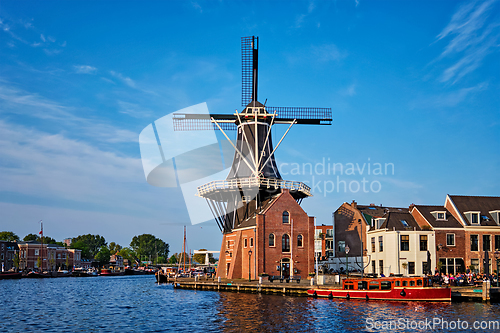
(452, 238)
(34, 255)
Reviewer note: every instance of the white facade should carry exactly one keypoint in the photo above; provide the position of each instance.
(400, 251)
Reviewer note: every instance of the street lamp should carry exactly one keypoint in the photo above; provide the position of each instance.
(249, 270)
(497, 257)
(347, 260)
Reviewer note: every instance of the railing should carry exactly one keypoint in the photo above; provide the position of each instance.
(240, 183)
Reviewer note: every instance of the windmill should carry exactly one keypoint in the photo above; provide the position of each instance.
(254, 178)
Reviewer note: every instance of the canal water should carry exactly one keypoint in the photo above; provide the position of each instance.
(137, 303)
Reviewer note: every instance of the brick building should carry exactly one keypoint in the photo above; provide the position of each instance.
(323, 242)
(48, 257)
(449, 236)
(8, 252)
(400, 246)
(277, 240)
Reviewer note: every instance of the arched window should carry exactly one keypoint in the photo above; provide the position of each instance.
(271, 239)
(285, 243)
(299, 241)
(286, 217)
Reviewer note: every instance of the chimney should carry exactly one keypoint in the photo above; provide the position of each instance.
(411, 207)
(354, 204)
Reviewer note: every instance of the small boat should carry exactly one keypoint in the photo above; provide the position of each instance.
(387, 288)
(63, 273)
(10, 275)
(37, 275)
(109, 272)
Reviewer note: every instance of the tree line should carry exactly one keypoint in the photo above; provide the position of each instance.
(145, 247)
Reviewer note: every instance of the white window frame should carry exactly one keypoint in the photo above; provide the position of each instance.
(496, 216)
(454, 243)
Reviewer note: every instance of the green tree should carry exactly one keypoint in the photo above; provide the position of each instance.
(127, 253)
(200, 258)
(8, 236)
(172, 259)
(31, 237)
(149, 246)
(113, 247)
(103, 255)
(80, 245)
(16, 260)
(93, 242)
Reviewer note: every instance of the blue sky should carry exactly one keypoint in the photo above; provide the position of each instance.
(412, 84)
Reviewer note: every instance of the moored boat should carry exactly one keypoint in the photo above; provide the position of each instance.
(388, 288)
(38, 275)
(109, 272)
(10, 275)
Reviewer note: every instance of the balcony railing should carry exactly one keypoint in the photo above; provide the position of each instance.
(240, 183)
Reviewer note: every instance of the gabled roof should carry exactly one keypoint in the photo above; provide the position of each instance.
(449, 222)
(379, 211)
(467, 203)
(400, 221)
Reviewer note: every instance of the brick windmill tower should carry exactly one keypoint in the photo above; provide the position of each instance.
(264, 228)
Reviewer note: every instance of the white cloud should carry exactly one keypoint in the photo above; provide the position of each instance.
(33, 105)
(51, 52)
(21, 102)
(54, 167)
(84, 69)
(472, 39)
(328, 52)
(128, 81)
(349, 91)
(42, 37)
(133, 110)
(451, 99)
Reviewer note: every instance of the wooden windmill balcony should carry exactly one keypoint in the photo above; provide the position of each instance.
(214, 189)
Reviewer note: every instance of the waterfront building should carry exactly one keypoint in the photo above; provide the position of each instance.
(34, 255)
(277, 240)
(67, 241)
(400, 246)
(264, 228)
(116, 262)
(8, 252)
(323, 242)
(457, 236)
(351, 222)
(449, 237)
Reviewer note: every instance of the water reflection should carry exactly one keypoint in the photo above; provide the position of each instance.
(118, 304)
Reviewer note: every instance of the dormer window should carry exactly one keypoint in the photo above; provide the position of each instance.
(379, 222)
(473, 217)
(439, 215)
(496, 216)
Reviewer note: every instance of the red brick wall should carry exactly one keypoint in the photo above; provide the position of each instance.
(264, 257)
(457, 251)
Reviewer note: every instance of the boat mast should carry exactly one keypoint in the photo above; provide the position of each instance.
(41, 248)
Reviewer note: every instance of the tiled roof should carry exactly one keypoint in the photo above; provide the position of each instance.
(477, 204)
(449, 222)
(400, 221)
(379, 211)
